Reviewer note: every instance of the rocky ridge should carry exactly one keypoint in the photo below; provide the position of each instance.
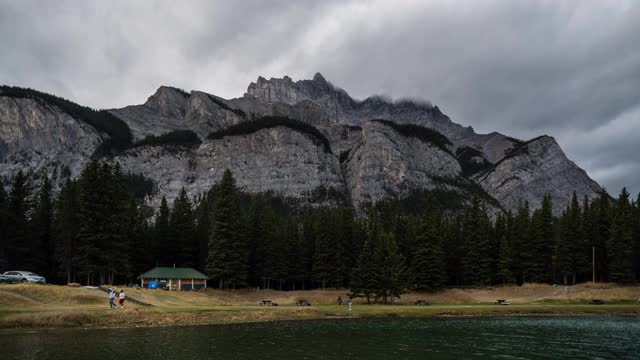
(367, 161)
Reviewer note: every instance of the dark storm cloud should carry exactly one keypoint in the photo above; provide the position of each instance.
(565, 68)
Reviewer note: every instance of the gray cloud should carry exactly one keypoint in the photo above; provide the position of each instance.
(565, 68)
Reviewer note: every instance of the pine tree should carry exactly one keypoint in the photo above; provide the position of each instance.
(162, 236)
(428, 262)
(504, 233)
(539, 267)
(254, 222)
(274, 262)
(620, 244)
(636, 237)
(66, 228)
(520, 242)
(42, 240)
(203, 230)
(183, 243)
(91, 220)
(17, 234)
(392, 279)
(4, 261)
(600, 233)
(325, 255)
(477, 258)
(227, 255)
(139, 233)
(365, 275)
(117, 247)
(454, 249)
(294, 250)
(570, 253)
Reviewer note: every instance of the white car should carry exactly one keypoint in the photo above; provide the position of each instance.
(25, 277)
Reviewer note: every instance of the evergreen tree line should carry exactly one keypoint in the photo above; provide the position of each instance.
(98, 230)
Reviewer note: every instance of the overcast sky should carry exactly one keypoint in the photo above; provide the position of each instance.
(570, 69)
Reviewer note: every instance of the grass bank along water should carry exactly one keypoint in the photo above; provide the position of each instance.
(51, 306)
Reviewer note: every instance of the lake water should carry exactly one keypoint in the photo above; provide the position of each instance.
(395, 338)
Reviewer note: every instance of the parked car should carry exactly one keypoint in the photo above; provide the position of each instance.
(5, 280)
(24, 277)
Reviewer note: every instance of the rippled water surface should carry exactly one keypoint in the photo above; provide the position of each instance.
(456, 338)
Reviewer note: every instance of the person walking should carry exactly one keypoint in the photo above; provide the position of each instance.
(121, 299)
(339, 300)
(112, 298)
(350, 302)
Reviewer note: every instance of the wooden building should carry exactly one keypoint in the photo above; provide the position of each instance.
(175, 278)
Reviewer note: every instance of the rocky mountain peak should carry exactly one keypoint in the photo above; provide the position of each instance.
(318, 78)
(168, 101)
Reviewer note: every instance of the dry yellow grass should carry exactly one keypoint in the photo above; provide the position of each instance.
(62, 306)
(25, 295)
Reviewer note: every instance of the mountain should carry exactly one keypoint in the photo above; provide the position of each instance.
(306, 139)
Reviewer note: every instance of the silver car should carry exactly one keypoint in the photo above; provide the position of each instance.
(25, 277)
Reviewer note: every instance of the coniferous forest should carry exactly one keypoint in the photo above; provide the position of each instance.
(97, 229)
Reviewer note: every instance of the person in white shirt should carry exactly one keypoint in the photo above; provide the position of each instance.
(121, 299)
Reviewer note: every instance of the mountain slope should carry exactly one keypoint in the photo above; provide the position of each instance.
(306, 139)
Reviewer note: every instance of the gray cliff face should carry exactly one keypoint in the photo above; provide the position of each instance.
(540, 167)
(384, 162)
(367, 160)
(41, 139)
(278, 159)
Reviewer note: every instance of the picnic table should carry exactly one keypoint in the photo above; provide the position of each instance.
(422, 303)
(303, 303)
(267, 303)
(502, 302)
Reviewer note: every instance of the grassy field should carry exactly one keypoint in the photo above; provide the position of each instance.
(51, 306)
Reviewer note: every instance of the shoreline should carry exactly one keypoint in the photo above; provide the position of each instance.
(45, 320)
(36, 307)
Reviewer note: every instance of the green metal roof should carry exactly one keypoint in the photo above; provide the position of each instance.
(173, 273)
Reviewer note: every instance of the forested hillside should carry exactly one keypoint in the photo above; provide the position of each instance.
(98, 230)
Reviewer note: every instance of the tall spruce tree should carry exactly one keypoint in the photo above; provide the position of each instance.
(504, 235)
(140, 239)
(203, 230)
(325, 256)
(227, 258)
(91, 220)
(636, 237)
(570, 254)
(162, 236)
(392, 279)
(4, 261)
(182, 227)
(365, 278)
(477, 259)
(274, 263)
(600, 234)
(620, 244)
(42, 245)
(17, 234)
(428, 262)
(539, 265)
(67, 228)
